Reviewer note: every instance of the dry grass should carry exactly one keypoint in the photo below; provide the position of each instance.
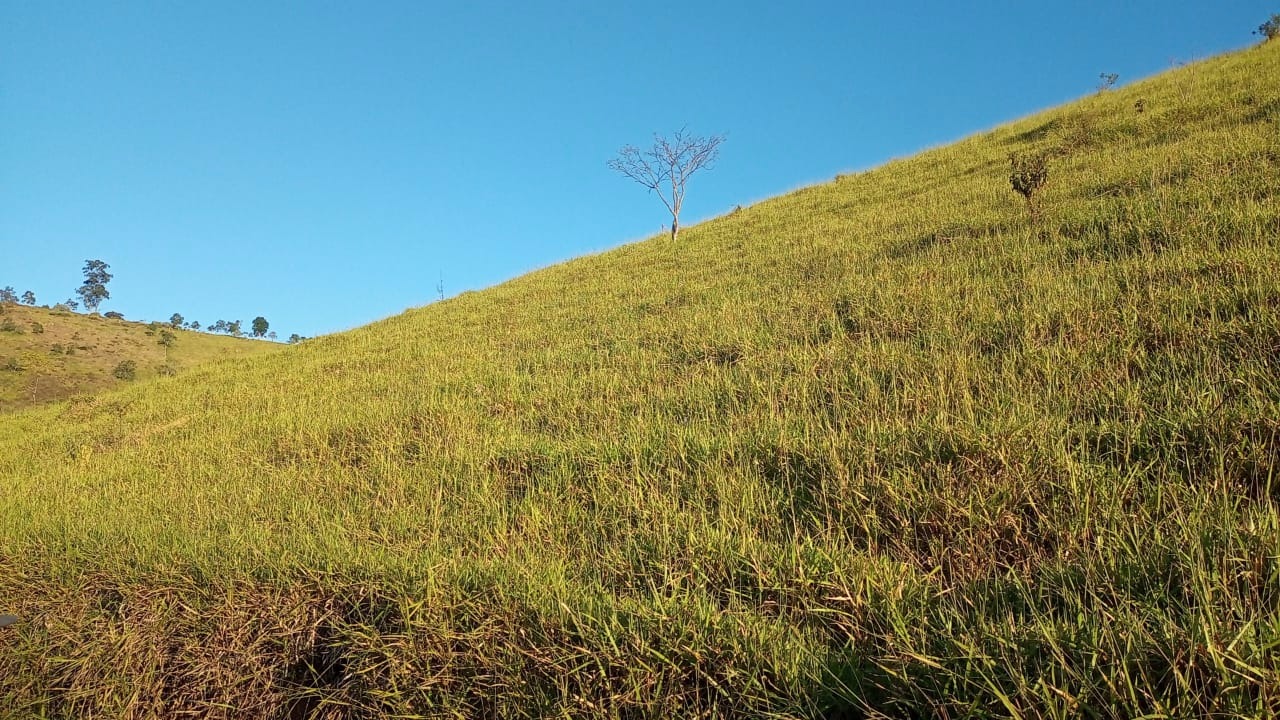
(52, 355)
(875, 448)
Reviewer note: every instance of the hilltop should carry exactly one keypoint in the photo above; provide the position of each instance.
(49, 355)
(884, 446)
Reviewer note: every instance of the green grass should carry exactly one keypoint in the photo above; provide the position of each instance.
(879, 447)
(51, 355)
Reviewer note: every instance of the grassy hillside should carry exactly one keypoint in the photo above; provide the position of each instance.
(49, 355)
(879, 446)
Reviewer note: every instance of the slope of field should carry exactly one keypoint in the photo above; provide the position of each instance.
(49, 355)
(877, 447)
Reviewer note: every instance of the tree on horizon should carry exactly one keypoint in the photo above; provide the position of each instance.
(666, 167)
(94, 289)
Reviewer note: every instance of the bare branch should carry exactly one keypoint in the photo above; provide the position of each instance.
(666, 167)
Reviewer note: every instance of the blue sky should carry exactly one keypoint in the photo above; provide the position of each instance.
(326, 164)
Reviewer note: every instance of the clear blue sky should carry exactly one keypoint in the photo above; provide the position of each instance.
(323, 164)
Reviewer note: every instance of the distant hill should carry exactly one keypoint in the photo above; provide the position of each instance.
(889, 446)
(49, 355)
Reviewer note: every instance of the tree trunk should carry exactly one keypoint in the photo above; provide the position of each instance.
(675, 227)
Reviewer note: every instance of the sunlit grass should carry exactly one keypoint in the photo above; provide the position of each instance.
(51, 355)
(879, 446)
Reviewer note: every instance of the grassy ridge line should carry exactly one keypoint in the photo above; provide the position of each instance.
(74, 354)
(874, 445)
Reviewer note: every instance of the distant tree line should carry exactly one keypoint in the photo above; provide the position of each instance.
(8, 296)
(93, 291)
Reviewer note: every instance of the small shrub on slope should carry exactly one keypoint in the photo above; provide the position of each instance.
(126, 370)
(1028, 173)
(1270, 29)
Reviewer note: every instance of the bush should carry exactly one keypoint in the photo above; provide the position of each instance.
(37, 328)
(13, 364)
(1270, 29)
(8, 325)
(113, 315)
(126, 370)
(1028, 173)
(166, 370)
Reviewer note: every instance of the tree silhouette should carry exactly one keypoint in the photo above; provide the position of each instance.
(667, 166)
(94, 289)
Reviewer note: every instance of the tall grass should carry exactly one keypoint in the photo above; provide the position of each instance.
(880, 447)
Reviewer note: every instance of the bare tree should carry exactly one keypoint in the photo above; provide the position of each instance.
(667, 166)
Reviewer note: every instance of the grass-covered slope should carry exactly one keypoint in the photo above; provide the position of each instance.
(50, 355)
(875, 446)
